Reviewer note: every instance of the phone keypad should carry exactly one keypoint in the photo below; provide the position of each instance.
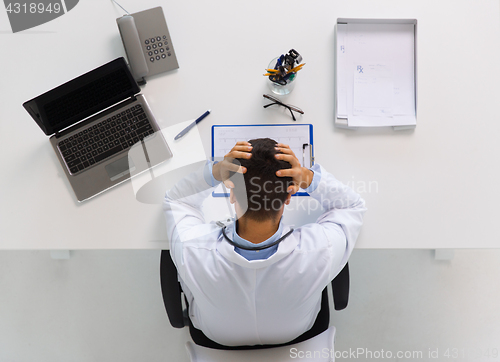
(157, 48)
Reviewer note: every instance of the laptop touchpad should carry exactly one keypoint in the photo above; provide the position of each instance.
(119, 168)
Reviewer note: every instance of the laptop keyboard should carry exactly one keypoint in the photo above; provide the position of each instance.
(105, 139)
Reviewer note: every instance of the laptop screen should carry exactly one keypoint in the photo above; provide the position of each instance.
(82, 97)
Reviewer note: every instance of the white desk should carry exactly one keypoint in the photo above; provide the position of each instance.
(435, 187)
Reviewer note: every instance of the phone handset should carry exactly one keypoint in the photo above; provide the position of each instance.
(133, 48)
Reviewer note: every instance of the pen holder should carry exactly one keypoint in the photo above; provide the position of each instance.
(278, 88)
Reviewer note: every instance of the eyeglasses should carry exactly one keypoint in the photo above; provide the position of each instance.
(280, 103)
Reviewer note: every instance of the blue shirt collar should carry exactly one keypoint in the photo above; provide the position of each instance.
(256, 254)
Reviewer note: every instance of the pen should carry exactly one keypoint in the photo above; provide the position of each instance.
(186, 130)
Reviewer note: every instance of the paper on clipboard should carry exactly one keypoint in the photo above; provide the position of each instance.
(297, 136)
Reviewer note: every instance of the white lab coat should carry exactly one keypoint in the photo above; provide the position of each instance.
(235, 301)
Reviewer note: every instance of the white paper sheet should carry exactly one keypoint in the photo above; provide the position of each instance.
(341, 74)
(226, 137)
(389, 44)
(373, 90)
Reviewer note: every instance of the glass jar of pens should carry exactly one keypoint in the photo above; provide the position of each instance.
(282, 72)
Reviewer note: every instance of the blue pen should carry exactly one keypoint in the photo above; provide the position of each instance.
(186, 130)
(279, 61)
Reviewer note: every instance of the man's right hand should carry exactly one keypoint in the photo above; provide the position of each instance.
(222, 170)
(301, 176)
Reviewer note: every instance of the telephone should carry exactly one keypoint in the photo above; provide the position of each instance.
(147, 43)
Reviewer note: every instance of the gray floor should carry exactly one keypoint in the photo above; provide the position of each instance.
(106, 306)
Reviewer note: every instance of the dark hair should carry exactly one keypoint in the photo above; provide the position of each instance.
(265, 192)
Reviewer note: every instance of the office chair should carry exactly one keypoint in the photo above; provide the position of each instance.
(178, 316)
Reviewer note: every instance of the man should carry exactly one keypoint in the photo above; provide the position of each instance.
(238, 296)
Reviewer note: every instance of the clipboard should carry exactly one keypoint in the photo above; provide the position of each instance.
(298, 136)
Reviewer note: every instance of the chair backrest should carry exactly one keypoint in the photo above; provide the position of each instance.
(318, 348)
(340, 288)
(171, 290)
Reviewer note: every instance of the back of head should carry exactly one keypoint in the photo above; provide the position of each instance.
(265, 192)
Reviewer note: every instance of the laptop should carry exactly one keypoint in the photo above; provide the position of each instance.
(93, 122)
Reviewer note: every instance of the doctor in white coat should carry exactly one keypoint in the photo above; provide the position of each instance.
(257, 281)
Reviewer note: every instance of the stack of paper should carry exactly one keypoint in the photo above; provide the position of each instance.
(376, 74)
